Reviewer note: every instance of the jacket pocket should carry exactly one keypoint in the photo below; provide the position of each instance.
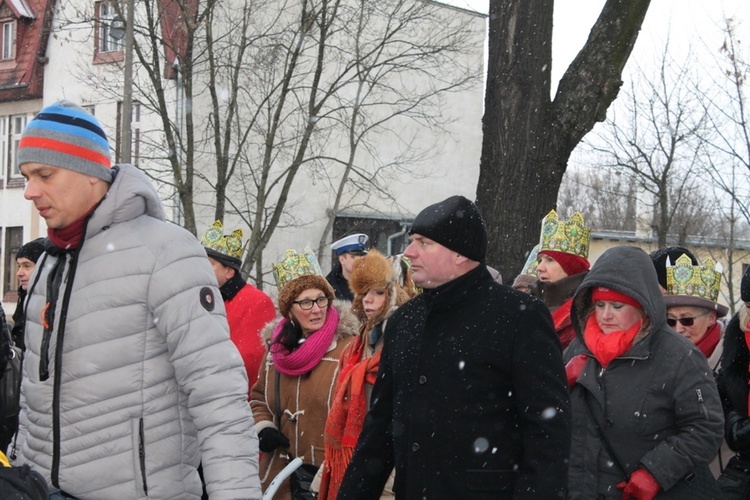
(139, 458)
(490, 480)
(654, 419)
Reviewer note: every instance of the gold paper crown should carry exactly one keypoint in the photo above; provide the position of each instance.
(696, 281)
(568, 237)
(531, 262)
(293, 265)
(230, 245)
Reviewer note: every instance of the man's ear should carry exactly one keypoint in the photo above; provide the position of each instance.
(460, 259)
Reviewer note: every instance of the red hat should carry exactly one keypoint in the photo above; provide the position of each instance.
(571, 264)
(601, 293)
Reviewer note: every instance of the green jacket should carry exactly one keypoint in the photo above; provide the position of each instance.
(657, 404)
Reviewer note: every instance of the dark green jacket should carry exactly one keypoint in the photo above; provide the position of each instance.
(657, 403)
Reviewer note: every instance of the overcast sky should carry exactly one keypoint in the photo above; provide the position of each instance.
(688, 23)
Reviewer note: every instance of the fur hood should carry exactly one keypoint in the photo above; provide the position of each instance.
(348, 323)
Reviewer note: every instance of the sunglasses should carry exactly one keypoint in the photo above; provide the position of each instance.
(689, 321)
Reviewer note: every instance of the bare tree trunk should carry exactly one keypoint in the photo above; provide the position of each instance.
(527, 138)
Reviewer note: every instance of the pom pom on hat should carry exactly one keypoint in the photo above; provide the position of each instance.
(31, 250)
(67, 136)
(456, 224)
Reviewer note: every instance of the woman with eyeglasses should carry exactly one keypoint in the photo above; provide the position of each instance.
(294, 391)
(692, 310)
(646, 413)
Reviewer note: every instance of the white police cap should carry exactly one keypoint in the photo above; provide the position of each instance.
(354, 243)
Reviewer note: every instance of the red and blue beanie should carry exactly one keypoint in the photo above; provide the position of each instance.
(67, 136)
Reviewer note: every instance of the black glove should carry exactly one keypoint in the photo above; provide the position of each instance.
(270, 438)
(737, 431)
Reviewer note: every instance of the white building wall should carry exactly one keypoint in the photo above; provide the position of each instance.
(453, 168)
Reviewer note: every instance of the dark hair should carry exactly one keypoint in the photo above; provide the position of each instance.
(288, 338)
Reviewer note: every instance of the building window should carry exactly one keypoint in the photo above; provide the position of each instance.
(11, 128)
(8, 49)
(13, 241)
(108, 40)
(17, 124)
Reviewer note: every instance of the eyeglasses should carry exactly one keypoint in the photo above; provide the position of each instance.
(689, 321)
(307, 304)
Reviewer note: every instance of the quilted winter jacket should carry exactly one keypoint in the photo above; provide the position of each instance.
(142, 381)
(657, 403)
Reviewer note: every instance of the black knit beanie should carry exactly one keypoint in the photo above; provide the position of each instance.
(745, 286)
(31, 250)
(659, 258)
(455, 223)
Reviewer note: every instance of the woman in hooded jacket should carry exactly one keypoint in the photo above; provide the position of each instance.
(375, 281)
(647, 417)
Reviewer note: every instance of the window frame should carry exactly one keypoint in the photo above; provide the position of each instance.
(107, 49)
(9, 34)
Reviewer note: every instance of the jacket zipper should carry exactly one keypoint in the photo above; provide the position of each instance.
(142, 456)
(700, 402)
(55, 469)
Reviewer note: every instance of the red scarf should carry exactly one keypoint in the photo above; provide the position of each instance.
(562, 314)
(347, 414)
(607, 346)
(710, 340)
(69, 238)
(307, 356)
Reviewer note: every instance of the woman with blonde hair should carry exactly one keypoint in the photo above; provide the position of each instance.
(377, 294)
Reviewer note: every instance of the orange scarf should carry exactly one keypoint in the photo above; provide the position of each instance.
(607, 346)
(347, 415)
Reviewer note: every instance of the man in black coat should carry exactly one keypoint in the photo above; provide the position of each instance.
(471, 398)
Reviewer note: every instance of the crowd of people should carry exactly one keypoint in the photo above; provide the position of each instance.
(152, 369)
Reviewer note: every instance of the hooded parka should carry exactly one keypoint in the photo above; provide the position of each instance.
(136, 381)
(657, 403)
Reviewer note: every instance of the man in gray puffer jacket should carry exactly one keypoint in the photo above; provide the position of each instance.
(130, 379)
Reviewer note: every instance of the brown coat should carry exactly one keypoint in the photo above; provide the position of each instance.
(305, 401)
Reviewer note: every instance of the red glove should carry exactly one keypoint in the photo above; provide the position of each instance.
(574, 368)
(642, 486)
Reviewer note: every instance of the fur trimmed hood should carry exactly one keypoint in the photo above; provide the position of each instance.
(348, 324)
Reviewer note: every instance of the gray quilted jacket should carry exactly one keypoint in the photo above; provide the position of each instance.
(141, 382)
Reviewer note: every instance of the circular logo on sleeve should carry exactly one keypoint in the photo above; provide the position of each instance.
(207, 299)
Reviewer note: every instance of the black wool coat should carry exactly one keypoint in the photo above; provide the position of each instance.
(733, 377)
(471, 399)
(339, 284)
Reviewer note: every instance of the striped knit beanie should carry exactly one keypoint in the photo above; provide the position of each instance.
(67, 136)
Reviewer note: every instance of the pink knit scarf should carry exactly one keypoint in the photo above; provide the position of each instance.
(309, 353)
